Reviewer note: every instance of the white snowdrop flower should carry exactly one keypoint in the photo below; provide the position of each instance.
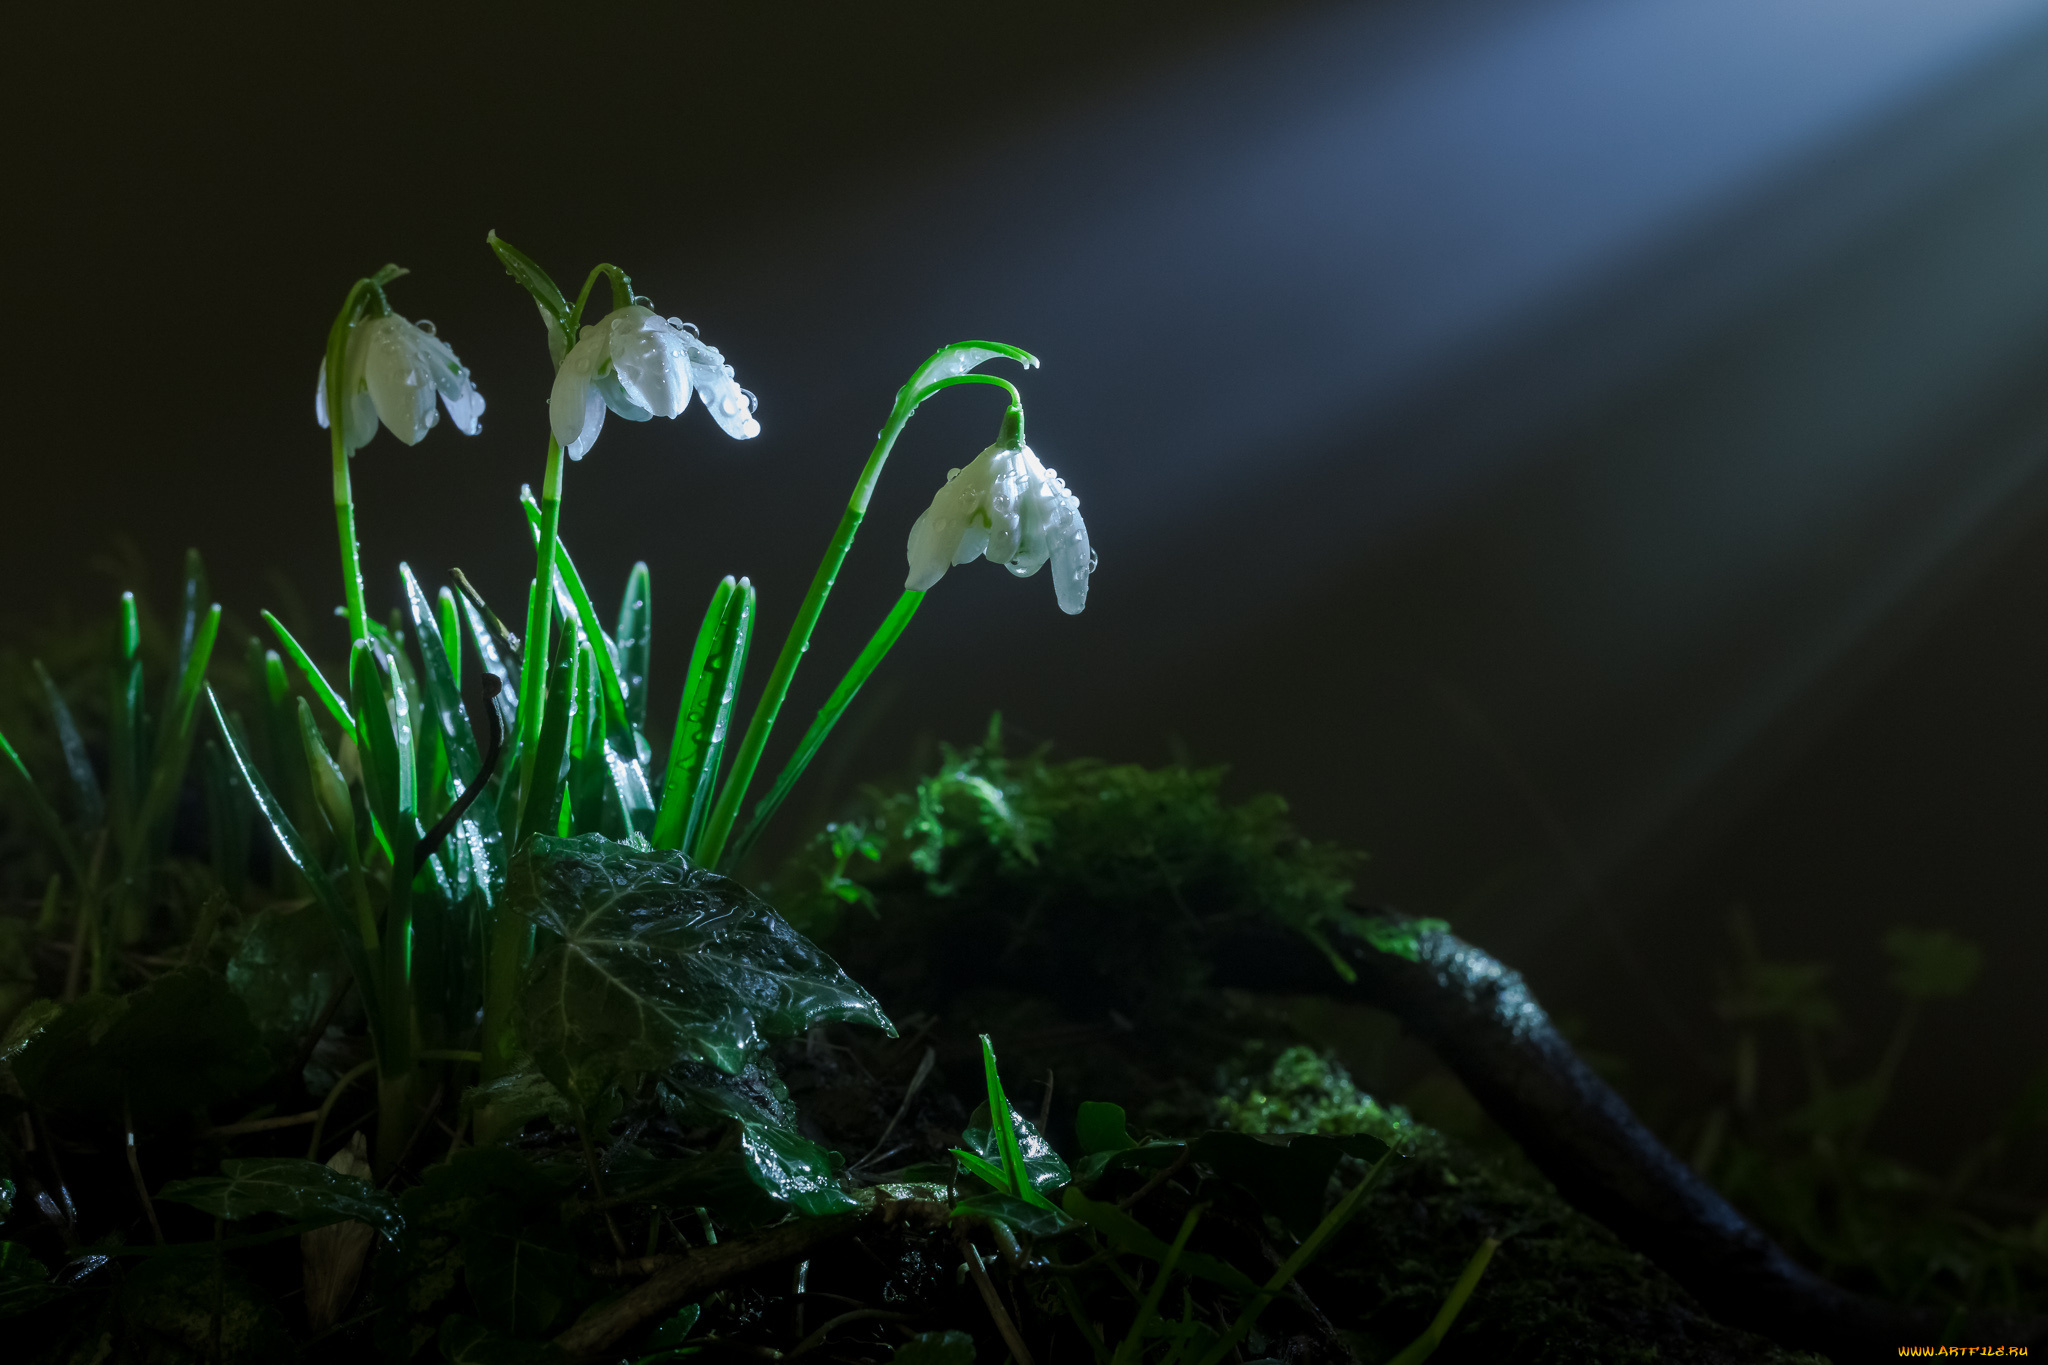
(642, 366)
(1007, 506)
(392, 369)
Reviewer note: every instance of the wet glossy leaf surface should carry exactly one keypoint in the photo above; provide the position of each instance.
(303, 1191)
(650, 961)
(181, 1042)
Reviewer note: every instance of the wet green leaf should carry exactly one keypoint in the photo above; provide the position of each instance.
(182, 1042)
(90, 805)
(704, 714)
(651, 961)
(519, 1097)
(443, 696)
(24, 1281)
(636, 641)
(286, 969)
(695, 1095)
(663, 1343)
(793, 1170)
(306, 1192)
(547, 295)
(1101, 1127)
(936, 1348)
(1034, 1219)
(324, 690)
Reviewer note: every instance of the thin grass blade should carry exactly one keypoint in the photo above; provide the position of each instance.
(44, 814)
(322, 689)
(636, 642)
(176, 726)
(450, 619)
(85, 783)
(293, 847)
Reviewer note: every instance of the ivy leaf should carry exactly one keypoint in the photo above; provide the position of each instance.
(304, 1191)
(1011, 1211)
(653, 961)
(181, 1042)
(793, 1170)
(286, 970)
(24, 1282)
(1101, 1128)
(1041, 1162)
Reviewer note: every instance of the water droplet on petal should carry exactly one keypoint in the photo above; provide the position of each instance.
(425, 325)
(676, 323)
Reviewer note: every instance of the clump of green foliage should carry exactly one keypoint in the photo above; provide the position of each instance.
(1109, 835)
(1796, 1155)
(1303, 1090)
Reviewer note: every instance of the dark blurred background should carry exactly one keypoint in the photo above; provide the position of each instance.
(1589, 453)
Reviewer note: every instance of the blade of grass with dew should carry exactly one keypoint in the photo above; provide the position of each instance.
(1424, 1346)
(322, 689)
(44, 814)
(175, 728)
(545, 801)
(85, 784)
(293, 847)
(443, 694)
(384, 742)
(636, 643)
(1005, 1131)
(704, 714)
(191, 597)
(449, 618)
(125, 722)
(877, 648)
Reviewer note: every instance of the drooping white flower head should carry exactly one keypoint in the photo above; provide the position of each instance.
(1007, 506)
(393, 369)
(642, 366)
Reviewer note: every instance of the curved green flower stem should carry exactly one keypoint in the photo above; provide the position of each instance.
(368, 291)
(877, 649)
(711, 846)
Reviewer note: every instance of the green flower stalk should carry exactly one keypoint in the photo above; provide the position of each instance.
(380, 367)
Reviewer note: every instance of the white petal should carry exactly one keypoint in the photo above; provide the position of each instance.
(575, 411)
(1072, 559)
(1005, 491)
(728, 405)
(608, 388)
(932, 538)
(398, 380)
(558, 345)
(649, 358)
(450, 380)
(320, 396)
(955, 527)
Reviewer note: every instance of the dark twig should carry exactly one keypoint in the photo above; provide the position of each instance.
(697, 1273)
(1011, 1336)
(482, 716)
(135, 1170)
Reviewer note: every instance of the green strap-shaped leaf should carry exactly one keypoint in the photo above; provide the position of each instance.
(176, 726)
(85, 784)
(652, 960)
(322, 689)
(877, 648)
(294, 848)
(1004, 1128)
(704, 715)
(305, 1191)
(125, 719)
(495, 663)
(443, 694)
(636, 641)
(191, 608)
(544, 799)
(554, 308)
(44, 814)
(569, 583)
(450, 617)
(384, 741)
